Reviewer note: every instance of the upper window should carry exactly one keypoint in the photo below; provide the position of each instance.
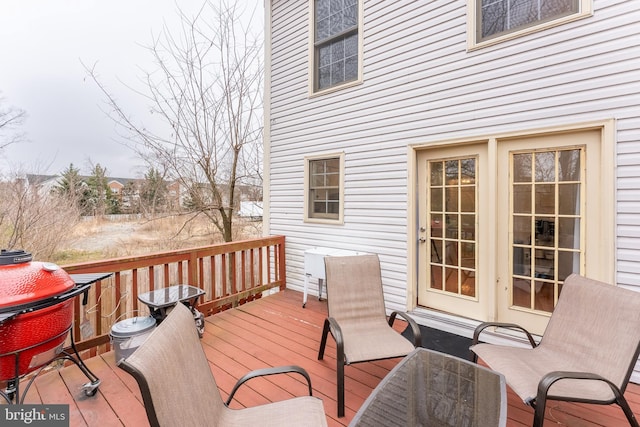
(336, 43)
(498, 19)
(324, 188)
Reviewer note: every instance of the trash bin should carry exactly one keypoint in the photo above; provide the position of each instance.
(127, 335)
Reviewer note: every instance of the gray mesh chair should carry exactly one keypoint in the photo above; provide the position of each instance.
(587, 352)
(357, 317)
(179, 389)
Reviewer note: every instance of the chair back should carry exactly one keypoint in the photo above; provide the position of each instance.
(598, 324)
(354, 288)
(174, 376)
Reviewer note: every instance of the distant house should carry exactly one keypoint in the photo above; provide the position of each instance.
(49, 182)
(128, 192)
(115, 186)
(485, 153)
(43, 183)
(175, 195)
(251, 210)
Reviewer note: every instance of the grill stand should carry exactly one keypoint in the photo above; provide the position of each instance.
(12, 393)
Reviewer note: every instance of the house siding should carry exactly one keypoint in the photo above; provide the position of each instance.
(420, 84)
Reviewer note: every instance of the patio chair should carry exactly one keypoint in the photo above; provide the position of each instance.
(357, 318)
(178, 388)
(587, 353)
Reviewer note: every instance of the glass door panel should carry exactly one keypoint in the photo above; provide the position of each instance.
(452, 192)
(545, 225)
(450, 245)
(541, 190)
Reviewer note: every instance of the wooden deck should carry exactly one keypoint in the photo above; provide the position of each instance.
(272, 331)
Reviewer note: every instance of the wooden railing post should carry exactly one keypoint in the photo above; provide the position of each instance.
(282, 265)
(192, 268)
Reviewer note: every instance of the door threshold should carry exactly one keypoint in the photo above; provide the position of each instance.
(464, 327)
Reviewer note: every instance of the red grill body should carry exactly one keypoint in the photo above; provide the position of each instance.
(33, 337)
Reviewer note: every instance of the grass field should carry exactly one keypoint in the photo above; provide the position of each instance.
(112, 237)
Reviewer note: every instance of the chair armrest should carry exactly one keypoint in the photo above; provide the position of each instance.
(415, 329)
(540, 402)
(552, 377)
(331, 325)
(513, 326)
(269, 371)
(335, 330)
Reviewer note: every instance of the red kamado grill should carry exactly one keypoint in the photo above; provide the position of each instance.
(36, 315)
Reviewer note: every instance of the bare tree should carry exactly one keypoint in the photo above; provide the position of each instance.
(10, 119)
(34, 218)
(207, 90)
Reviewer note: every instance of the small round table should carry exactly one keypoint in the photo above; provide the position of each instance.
(161, 301)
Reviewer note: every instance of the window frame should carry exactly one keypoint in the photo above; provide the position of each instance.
(585, 10)
(308, 202)
(313, 55)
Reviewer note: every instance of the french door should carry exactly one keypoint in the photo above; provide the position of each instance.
(542, 202)
(450, 251)
(500, 233)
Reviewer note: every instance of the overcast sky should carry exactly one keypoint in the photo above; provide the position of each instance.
(42, 44)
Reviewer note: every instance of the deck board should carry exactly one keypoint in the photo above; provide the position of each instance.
(117, 395)
(272, 331)
(53, 390)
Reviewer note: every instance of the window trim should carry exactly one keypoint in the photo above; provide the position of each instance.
(313, 92)
(307, 189)
(585, 10)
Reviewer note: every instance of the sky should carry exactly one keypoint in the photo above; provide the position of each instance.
(43, 45)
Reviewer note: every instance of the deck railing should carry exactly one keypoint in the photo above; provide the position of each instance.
(230, 274)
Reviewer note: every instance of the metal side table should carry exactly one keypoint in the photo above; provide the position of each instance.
(161, 301)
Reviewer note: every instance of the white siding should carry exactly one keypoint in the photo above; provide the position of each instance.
(420, 84)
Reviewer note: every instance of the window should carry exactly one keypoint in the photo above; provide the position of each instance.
(324, 188)
(497, 20)
(336, 43)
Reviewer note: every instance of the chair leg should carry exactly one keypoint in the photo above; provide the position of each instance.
(340, 360)
(538, 413)
(620, 400)
(323, 341)
(340, 374)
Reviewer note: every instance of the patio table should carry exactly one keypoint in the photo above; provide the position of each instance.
(161, 301)
(429, 388)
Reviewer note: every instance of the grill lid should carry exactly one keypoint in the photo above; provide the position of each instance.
(14, 257)
(23, 281)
